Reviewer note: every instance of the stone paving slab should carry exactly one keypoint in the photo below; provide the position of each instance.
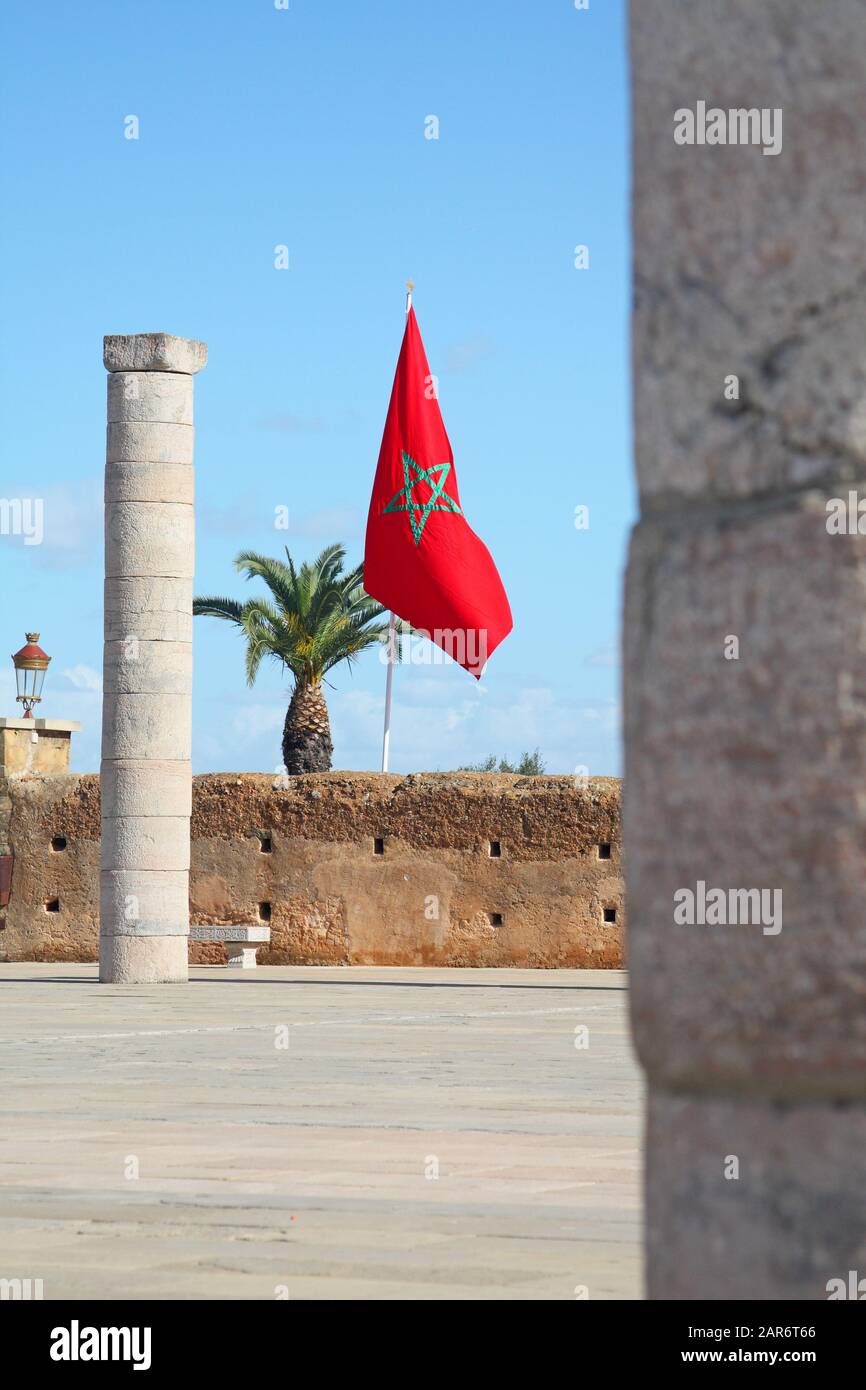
(165, 1142)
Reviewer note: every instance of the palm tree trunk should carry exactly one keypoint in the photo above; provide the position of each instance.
(307, 745)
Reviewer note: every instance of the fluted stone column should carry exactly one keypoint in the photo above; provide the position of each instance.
(146, 782)
(745, 648)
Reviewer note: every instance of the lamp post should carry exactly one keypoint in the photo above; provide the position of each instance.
(30, 664)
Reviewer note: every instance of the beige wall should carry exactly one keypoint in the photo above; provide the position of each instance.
(20, 751)
(307, 848)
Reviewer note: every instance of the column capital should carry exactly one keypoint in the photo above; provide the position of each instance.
(153, 352)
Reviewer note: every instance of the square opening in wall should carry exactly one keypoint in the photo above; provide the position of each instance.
(58, 843)
(610, 914)
(266, 845)
(53, 905)
(495, 919)
(495, 849)
(264, 912)
(378, 845)
(604, 851)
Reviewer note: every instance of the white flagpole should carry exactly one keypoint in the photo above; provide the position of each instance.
(389, 681)
(392, 632)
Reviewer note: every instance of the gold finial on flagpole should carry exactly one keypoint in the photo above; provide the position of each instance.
(410, 285)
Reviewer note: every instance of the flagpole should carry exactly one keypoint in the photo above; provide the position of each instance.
(389, 681)
(392, 630)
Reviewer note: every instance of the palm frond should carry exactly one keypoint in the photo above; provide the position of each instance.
(213, 607)
(312, 618)
(278, 577)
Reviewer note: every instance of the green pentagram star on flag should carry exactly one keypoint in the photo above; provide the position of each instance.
(439, 501)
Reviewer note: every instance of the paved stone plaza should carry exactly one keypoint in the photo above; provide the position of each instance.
(307, 1170)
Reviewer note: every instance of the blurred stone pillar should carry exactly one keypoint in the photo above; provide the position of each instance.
(146, 783)
(745, 646)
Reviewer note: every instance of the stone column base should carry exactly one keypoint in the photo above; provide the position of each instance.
(143, 960)
(751, 1198)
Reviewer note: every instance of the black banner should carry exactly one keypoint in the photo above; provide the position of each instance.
(82, 1339)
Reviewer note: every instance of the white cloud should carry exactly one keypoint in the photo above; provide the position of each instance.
(438, 724)
(339, 420)
(286, 422)
(441, 719)
(331, 523)
(83, 677)
(234, 518)
(461, 357)
(606, 656)
(8, 691)
(71, 522)
(250, 724)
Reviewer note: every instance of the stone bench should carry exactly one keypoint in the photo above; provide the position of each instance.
(241, 942)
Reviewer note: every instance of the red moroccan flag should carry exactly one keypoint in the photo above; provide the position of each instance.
(422, 559)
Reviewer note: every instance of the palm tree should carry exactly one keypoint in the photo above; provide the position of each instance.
(315, 618)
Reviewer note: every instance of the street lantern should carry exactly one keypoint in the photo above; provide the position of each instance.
(30, 664)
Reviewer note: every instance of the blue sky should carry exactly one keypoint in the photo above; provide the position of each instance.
(306, 127)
